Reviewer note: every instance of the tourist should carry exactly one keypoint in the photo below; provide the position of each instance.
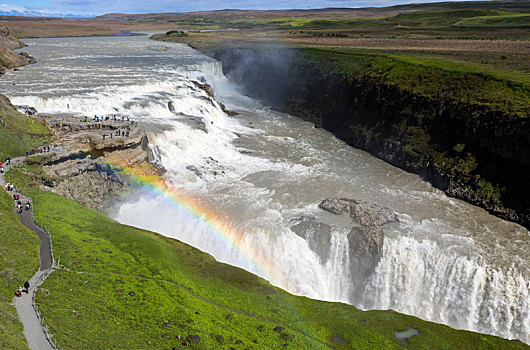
(26, 285)
(104, 136)
(27, 205)
(110, 135)
(1, 169)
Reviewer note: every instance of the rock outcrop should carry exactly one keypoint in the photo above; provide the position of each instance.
(317, 235)
(89, 167)
(365, 237)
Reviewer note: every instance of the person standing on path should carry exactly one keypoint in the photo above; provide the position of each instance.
(26, 285)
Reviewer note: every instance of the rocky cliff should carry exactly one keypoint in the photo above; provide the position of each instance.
(9, 58)
(473, 150)
(88, 165)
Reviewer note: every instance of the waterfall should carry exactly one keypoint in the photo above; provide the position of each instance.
(421, 279)
(262, 174)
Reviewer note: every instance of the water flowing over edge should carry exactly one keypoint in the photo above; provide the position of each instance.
(414, 276)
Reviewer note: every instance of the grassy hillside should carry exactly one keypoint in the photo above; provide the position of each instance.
(434, 21)
(18, 133)
(19, 260)
(122, 287)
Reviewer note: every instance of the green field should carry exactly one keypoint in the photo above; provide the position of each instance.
(122, 287)
(18, 133)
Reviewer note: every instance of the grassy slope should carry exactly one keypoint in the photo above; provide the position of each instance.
(88, 302)
(18, 262)
(18, 133)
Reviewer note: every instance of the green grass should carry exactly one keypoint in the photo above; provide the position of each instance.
(432, 77)
(443, 18)
(18, 262)
(18, 133)
(513, 20)
(177, 289)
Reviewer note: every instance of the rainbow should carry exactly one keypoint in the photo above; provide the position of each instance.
(231, 236)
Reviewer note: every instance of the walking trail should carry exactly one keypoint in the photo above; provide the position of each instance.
(36, 335)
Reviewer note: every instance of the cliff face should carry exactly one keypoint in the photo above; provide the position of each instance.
(469, 150)
(8, 58)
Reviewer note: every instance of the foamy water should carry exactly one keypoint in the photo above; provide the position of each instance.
(260, 171)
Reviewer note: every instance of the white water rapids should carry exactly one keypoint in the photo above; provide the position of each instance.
(261, 171)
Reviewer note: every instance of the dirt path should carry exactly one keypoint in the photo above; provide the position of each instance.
(35, 332)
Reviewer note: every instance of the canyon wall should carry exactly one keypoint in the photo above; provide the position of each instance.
(469, 150)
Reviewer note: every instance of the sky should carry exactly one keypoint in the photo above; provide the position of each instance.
(99, 7)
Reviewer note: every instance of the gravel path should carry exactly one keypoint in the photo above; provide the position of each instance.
(33, 329)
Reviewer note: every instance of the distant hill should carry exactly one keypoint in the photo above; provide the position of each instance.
(320, 13)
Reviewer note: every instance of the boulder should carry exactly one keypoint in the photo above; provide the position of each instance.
(193, 338)
(362, 212)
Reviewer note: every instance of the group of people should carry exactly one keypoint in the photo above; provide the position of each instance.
(7, 162)
(19, 291)
(16, 197)
(26, 206)
(123, 133)
(114, 118)
(41, 149)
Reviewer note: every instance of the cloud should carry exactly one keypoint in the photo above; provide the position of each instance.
(21, 9)
(8, 8)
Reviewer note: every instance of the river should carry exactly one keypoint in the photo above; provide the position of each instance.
(261, 172)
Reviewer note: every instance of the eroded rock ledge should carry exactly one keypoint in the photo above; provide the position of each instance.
(88, 167)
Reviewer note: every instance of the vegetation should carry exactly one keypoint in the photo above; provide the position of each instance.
(446, 20)
(176, 33)
(432, 77)
(18, 262)
(122, 287)
(18, 133)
